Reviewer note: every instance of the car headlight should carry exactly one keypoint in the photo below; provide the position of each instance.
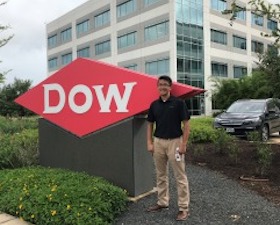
(256, 121)
(217, 120)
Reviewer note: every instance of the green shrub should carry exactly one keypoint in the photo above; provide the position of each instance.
(19, 149)
(198, 150)
(223, 142)
(264, 158)
(16, 125)
(233, 151)
(254, 136)
(53, 197)
(202, 130)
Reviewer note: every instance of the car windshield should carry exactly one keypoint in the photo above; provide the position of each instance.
(246, 107)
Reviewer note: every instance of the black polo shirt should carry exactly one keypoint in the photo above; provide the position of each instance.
(168, 116)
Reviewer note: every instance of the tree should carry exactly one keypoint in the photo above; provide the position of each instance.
(270, 65)
(3, 42)
(259, 7)
(256, 86)
(8, 93)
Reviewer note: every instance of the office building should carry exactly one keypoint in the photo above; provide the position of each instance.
(190, 40)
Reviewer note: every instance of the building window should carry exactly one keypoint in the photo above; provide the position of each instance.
(271, 25)
(219, 5)
(102, 47)
(102, 19)
(239, 71)
(240, 14)
(52, 41)
(66, 58)
(52, 63)
(84, 52)
(150, 2)
(239, 42)
(159, 67)
(82, 27)
(219, 69)
(126, 8)
(272, 48)
(66, 35)
(131, 67)
(127, 40)
(257, 47)
(256, 19)
(219, 37)
(156, 31)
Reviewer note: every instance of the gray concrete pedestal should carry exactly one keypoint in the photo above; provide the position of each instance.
(117, 153)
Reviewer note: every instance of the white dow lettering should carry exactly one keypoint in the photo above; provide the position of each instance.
(104, 99)
(71, 99)
(113, 92)
(59, 89)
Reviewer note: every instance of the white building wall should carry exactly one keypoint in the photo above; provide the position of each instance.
(115, 58)
(169, 47)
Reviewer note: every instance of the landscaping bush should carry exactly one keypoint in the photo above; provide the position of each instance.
(19, 149)
(54, 197)
(202, 130)
(16, 125)
(264, 158)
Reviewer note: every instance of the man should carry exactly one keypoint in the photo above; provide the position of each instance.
(168, 113)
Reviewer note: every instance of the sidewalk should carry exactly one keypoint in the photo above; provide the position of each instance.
(6, 219)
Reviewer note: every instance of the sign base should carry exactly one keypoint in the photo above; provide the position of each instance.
(117, 153)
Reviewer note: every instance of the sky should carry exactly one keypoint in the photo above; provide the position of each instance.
(25, 55)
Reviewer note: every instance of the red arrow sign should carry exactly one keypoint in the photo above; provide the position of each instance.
(88, 95)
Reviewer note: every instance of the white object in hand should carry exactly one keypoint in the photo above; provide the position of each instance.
(177, 155)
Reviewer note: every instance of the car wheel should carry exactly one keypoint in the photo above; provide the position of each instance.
(264, 133)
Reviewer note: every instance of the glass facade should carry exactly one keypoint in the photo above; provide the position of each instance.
(218, 37)
(52, 41)
(241, 14)
(126, 8)
(239, 42)
(52, 63)
(239, 71)
(257, 47)
(102, 47)
(219, 5)
(82, 27)
(127, 40)
(67, 58)
(271, 24)
(150, 2)
(219, 69)
(158, 67)
(256, 19)
(102, 19)
(84, 52)
(66, 35)
(131, 67)
(190, 56)
(156, 31)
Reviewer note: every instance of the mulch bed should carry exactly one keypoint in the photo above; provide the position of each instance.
(244, 170)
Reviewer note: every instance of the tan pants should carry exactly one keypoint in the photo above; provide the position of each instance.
(164, 152)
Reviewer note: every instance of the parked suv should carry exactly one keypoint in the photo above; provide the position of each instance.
(247, 115)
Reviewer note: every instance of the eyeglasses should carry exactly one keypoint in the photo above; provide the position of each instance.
(163, 85)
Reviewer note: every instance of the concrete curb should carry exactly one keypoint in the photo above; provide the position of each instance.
(6, 219)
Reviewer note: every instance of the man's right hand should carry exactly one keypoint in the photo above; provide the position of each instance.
(150, 148)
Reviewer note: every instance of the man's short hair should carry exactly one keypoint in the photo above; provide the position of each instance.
(166, 78)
